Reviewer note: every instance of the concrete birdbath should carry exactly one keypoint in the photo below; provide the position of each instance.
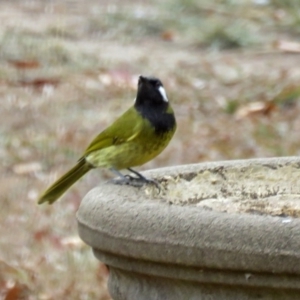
(221, 230)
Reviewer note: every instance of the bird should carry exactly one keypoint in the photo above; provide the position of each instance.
(136, 137)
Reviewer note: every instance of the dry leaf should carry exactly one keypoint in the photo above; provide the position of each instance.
(255, 108)
(26, 168)
(168, 35)
(40, 82)
(17, 291)
(10, 287)
(287, 46)
(24, 64)
(45, 234)
(117, 77)
(72, 242)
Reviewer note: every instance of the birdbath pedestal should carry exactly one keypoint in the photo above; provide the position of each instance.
(220, 230)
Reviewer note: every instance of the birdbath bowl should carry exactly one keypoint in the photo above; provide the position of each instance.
(219, 230)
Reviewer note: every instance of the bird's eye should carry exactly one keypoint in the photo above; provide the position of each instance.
(156, 83)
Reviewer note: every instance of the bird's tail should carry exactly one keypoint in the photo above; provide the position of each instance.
(61, 185)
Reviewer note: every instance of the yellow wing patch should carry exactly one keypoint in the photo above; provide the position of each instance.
(126, 128)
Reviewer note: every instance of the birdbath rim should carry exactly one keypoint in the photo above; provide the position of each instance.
(137, 223)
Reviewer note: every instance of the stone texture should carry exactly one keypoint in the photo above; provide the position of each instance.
(157, 248)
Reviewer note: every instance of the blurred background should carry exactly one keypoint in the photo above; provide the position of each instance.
(68, 68)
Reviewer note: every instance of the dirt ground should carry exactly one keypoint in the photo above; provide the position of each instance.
(69, 68)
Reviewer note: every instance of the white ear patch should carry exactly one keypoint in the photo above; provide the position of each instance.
(163, 93)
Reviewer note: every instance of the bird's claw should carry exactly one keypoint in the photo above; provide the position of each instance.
(136, 181)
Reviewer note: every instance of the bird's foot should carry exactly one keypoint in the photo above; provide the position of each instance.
(136, 181)
(128, 180)
(143, 180)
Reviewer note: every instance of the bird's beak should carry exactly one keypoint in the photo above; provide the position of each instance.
(142, 79)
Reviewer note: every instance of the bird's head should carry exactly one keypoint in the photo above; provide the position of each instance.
(151, 92)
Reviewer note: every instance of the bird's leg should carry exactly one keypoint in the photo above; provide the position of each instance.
(118, 173)
(142, 178)
(139, 176)
(126, 179)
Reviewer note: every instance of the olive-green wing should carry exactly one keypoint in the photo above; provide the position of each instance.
(125, 128)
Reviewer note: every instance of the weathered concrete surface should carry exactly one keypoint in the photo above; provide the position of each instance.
(160, 247)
